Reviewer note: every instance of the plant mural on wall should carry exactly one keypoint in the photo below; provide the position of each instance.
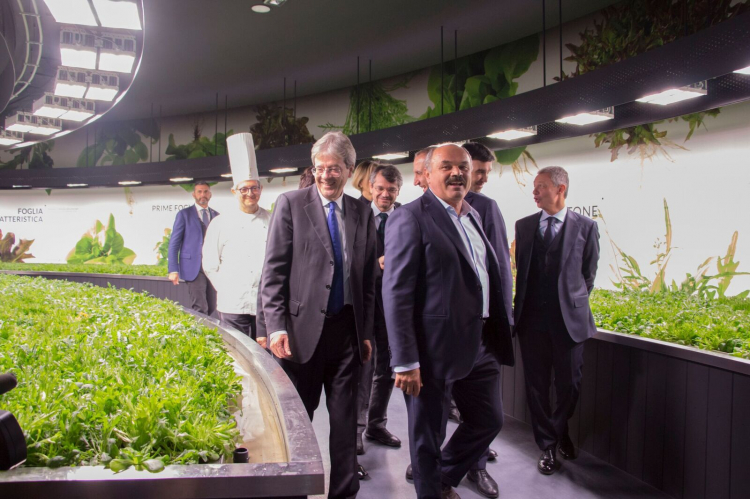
(16, 254)
(101, 244)
(630, 28)
(119, 143)
(277, 129)
(630, 277)
(162, 248)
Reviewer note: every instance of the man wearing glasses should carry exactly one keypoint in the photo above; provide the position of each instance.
(235, 243)
(318, 297)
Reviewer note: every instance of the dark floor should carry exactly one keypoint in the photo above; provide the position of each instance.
(515, 469)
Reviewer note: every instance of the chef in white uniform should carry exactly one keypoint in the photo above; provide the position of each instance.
(235, 243)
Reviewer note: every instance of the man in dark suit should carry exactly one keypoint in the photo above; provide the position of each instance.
(557, 252)
(448, 328)
(318, 297)
(186, 247)
(376, 377)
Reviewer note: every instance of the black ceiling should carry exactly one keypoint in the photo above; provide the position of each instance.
(195, 48)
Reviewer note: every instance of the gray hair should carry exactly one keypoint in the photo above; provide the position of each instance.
(426, 150)
(558, 175)
(337, 144)
(389, 172)
(432, 149)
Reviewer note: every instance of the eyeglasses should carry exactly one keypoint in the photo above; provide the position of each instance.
(380, 190)
(244, 190)
(332, 171)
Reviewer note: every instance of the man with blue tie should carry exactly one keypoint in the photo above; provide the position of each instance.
(318, 297)
(448, 328)
(186, 249)
(557, 253)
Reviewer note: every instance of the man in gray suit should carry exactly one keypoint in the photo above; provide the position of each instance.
(557, 252)
(318, 297)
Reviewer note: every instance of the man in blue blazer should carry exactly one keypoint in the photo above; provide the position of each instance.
(447, 323)
(557, 253)
(186, 249)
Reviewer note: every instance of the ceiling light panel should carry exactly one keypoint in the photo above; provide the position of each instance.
(392, 155)
(77, 48)
(261, 9)
(118, 14)
(8, 138)
(515, 133)
(103, 86)
(284, 169)
(672, 95)
(589, 117)
(70, 82)
(744, 71)
(117, 53)
(71, 12)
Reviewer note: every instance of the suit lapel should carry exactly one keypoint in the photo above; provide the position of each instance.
(351, 220)
(526, 244)
(443, 220)
(571, 228)
(316, 213)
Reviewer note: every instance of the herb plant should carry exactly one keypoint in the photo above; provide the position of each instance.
(120, 143)
(144, 270)
(16, 254)
(277, 128)
(162, 248)
(112, 377)
(101, 245)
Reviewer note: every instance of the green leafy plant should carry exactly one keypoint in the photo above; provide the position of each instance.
(37, 156)
(16, 254)
(278, 128)
(162, 248)
(121, 269)
(101, 245)
(112, 377)
(200, 147)
(378, 109)
(119, 143)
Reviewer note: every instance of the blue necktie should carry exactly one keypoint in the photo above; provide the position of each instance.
(204, 214)
(336, 298)
(549, 234)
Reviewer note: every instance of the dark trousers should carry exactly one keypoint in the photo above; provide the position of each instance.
(244, 323)
(334, 367)
(376, 384)
(479, 399)
(202, 294)
(544, 349)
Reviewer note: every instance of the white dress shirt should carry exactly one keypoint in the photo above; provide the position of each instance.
(474, 244)
(544, 221)
(376, 213)
(233, 254)
(339, 206)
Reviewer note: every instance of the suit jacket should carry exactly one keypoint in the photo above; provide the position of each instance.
(298, 269)
(578, 265)
(186, 243)
(497, 235)
(432, 296)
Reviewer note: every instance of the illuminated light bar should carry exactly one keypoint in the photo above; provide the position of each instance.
(516, 133)
(70, 82)
(605, 114)
(743, 71)
(120, 14)
(129, 182)
(78, 185)
(79, 110)
(103, 86)
(226, 175)
(181, 179)
(71, 12)
(392, 155)
(28, 123)
(77, 48)
(275, 3)
(65, 108)
(117, 53)
(22, 187)
(9, 138)
(285, 169)
(261, 9)
(672, 95)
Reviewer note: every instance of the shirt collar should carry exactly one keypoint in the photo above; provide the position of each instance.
(376, 211)
(339, 201)
(560, 215)
(199, 208)
(464, 207)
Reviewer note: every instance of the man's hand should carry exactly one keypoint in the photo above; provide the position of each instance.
(280, 346)
(409, 381)
(174, 277)
(263, 342)
(367, 349)
(381, 261)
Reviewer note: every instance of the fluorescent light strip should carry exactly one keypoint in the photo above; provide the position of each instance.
(516, 133)
(78, 185)
(672, 95)
(743, 71)
(78, 58)
(71, 12)
(226, 175)
(112, 61)
(181, 179)
(121, 15)
(260, 9)
(392, 155)
(22, 187)
(286, 169)
(68, 89)
(589, 117)
(129, 182)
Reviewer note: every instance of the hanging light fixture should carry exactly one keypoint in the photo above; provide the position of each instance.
(71, 12)
(391, 155)
(70, 82)
(103, 86)
(285, 169)
(28, 123)
(672, 95)
(65, 108)
(117, 53)
(9, 138)
(515, 133)
(118, 14)
(587, 118)
(743, 71)
(77, 48)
